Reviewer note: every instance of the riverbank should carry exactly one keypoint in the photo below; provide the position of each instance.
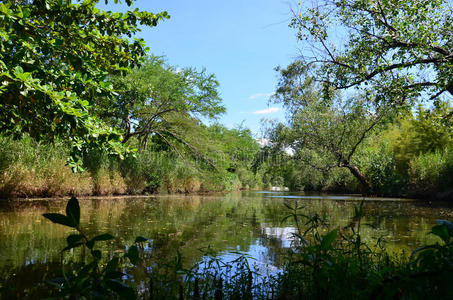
(29, 169)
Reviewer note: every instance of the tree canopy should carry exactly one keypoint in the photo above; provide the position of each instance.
(159, 101)
(325, 129)
(399, 50)
(55, 62)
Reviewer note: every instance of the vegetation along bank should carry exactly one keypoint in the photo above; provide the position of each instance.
(84, 110)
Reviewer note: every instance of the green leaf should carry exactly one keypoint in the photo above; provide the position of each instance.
(124, 291)
(140, 239)
(104, 237)
(3, 8)
(441, 231)
(133, 254)
(112, 265)
(328, 239)
(101, 237)
(18, 70)
(59, 219)
(73, 211)
(448, 224)
(96, 254)
(73, 238)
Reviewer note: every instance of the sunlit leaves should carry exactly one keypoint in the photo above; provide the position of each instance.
(399, 49)
(55, 62)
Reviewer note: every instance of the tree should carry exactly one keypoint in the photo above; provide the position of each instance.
(158, 101)
(55, 61)
(237, 145)
(397, 49)
(324, 129)
(426, 132)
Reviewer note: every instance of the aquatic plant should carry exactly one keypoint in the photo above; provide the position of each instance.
(96, 279)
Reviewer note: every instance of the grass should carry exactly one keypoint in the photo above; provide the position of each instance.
(32, 169)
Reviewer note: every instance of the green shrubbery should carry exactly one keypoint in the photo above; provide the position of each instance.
(31, 169)
(431, 173)
(409, 155)
(327, 263)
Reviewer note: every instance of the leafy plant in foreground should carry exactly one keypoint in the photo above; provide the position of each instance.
(338, 264)
(322, 263)
(95, 280)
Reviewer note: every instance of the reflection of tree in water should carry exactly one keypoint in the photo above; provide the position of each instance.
(251, 223)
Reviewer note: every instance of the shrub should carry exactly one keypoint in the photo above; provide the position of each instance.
(431, 173)
(380, 167)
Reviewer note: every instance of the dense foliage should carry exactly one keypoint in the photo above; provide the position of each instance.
(74, 85)
(397, 49)
(72, 79)
(360, 118)
(55, 60)
(375, 102)
(32, 169)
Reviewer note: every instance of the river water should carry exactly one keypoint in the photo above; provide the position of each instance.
(245, 222)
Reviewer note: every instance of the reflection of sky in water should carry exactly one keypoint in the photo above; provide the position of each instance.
(258, 255)
(284, 234)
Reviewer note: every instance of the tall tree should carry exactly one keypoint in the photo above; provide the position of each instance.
(398, 49)
(324, 129)
(55, 60)
(163, 102)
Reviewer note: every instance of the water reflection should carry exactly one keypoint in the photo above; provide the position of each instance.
(282, 234)
(249, 222)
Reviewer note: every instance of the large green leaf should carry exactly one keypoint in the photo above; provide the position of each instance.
(73, 238)
(101, 237)
(73, 211)
(133, 254)
(59, 219)
(327, 240)
(442, 232)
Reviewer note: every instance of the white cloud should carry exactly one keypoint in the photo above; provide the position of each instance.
(266, 111)
(260, 95)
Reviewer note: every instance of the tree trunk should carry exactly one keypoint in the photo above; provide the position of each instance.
(360, 176)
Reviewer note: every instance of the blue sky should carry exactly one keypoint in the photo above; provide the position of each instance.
(240, 41)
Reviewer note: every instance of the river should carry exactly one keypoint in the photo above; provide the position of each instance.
(246, 222)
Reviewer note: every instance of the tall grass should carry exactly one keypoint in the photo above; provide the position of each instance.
(32, 169)
(431, 173)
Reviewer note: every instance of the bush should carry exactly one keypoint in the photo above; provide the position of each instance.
(380, 167)
(431, 173)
